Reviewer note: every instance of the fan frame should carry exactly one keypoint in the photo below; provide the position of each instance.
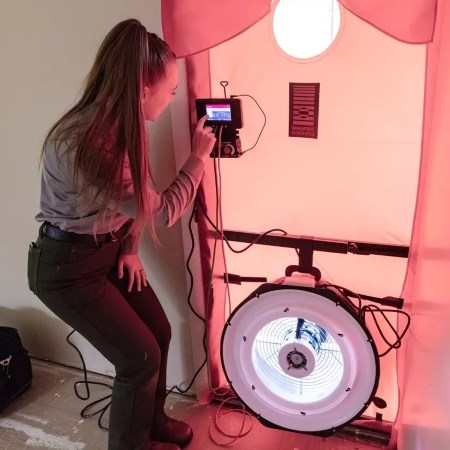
(340, 300)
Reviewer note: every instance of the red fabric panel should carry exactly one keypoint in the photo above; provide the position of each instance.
(406, 20)
(191, 26)
(423, 421)
(357, 181)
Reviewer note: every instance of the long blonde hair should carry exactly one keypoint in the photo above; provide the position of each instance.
(109, 115)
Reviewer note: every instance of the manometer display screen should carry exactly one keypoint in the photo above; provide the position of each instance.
(219, 112)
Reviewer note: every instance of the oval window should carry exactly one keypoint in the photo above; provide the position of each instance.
(306, 28)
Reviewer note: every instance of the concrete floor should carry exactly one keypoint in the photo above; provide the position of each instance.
(48, 416)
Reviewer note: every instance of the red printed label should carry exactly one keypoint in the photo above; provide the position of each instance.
(304, 109)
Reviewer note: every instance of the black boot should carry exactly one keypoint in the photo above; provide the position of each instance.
(171, 430)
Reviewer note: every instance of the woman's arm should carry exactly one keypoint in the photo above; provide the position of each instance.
(168, 206)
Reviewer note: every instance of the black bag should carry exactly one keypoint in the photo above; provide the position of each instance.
(15, 366)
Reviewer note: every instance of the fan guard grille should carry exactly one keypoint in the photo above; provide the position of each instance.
(324, 378)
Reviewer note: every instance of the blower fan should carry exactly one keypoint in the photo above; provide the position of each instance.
(300, 358)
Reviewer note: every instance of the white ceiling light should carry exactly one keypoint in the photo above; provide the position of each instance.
(300, 358)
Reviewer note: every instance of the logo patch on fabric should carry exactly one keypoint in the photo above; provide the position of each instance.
(304, 109)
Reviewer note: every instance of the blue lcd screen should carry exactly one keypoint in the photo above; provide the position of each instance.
(221, 112)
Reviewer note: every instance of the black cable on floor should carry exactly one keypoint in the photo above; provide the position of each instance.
(86, 383)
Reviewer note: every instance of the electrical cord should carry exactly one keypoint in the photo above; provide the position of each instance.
(227, 391)
(264, 124)
(184, 391)
(208, 295)
(86, 383)
(191, 276)
(218, 211)
(220, 430)
(221, 231)
(191, 287)
(373, 309)
(227, 242)
(347, 293)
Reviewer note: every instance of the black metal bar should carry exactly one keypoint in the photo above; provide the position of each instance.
(318, 244)
(237, 279)
(375, 435)
(305, 257)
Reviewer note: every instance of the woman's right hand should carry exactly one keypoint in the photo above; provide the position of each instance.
(203, 140)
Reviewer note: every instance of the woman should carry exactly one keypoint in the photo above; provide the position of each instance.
(96, 197)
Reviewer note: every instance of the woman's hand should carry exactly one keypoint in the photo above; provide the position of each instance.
(135, 271)
(203, 140)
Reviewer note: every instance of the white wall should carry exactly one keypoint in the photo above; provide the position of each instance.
(46, 49)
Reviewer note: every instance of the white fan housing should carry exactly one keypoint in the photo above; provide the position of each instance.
(299, 358)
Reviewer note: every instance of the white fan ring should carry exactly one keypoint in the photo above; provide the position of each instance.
(344, 400)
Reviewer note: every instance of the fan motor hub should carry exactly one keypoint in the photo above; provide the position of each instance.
(298, 358)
